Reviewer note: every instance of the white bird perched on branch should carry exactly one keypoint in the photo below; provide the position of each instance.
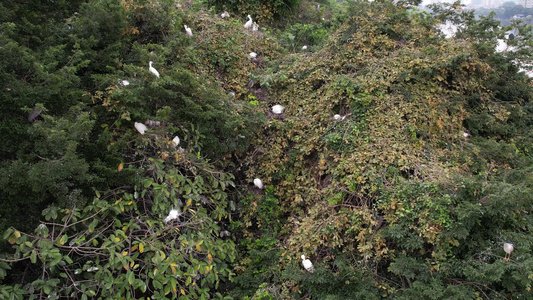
(255, 27)
(188, 31)
(248, 24)
(175, 141)
(508, 247)
(252, 55)
(308, 265)
(258, 183)
(304, 47)
(278, 109)
(172, 215)
(141, 128)
(224, 15)
(153, 70)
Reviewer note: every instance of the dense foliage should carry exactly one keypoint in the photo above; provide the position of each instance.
(408, 193)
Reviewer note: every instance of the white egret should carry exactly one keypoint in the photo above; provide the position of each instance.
(252, 55)
(188, 31)
(248, 24)
(224, 15)
(176, 141)
(508, 247)
(125, 82)
(153, 70)
(337, 117)
(308, 265)
(140, 127)
(278, 109)
(258, 183)
(465, 134)
(255, 27)
(172, 215)
(304, 47)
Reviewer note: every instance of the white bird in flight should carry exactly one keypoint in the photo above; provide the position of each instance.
(141, 128)
(188, 31)
(248, 24)
(278, 109)
(153, 70)
(308, 265)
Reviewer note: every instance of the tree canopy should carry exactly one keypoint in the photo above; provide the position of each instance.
(400, 165)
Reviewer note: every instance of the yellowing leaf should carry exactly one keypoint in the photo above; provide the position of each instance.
(63, 240)
(189, 202)
(182, 292)
(208, 268)
(17, 234)
(210, 257)
(120, 167)
(141, 248)
(124, 253)
(117, 239)
(198, 247)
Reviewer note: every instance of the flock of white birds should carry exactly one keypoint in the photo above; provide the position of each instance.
(449, 29)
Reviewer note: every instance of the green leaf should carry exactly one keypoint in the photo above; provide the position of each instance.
(56, 260)
(67, 259)
(130, 276)
(8, 233)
